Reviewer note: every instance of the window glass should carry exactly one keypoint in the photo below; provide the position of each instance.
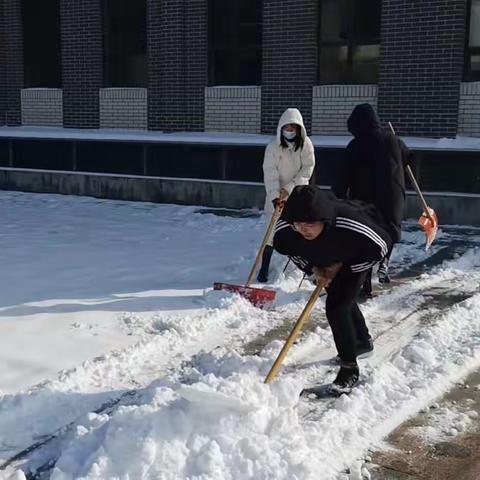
(41, 36)
(235, 45)
(349, 41)
(125, 43)
(475, 24)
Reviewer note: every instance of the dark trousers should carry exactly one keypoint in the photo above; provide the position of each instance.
(343, 314)
(367, 284)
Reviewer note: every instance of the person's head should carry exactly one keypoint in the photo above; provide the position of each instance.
(290, 129)
(309, 211)
(363, 121)
(309, 230)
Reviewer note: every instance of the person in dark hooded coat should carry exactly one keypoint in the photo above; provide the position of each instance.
(375, 174)
(339, 241)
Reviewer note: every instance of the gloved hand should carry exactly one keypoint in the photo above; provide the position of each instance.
(278, 203)
(325, 275)
(281, 199)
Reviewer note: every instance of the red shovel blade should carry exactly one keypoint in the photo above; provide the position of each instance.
(260, 297)
(429, 223)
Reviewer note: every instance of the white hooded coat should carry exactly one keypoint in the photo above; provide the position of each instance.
(285, 167)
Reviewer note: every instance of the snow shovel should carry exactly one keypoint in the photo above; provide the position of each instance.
(258, 296)
(428, 220)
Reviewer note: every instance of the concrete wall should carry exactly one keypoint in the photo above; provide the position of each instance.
(469, 110)
(233, 109)
(458, 209)
(451, 208)
(148, 189)
(123, 108)
(332, 105)
(42, 106)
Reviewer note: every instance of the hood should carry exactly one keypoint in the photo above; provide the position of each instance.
(363, 121)
(307, 203)
(291, 115)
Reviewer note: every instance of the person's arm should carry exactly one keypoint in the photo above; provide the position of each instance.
(271, 176)
(361, 245)
(286, 241)
(307, 157)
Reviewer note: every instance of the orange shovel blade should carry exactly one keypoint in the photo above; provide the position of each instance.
(260, 297)
(429, 225)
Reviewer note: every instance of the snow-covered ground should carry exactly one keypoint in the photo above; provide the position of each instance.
(113, 341)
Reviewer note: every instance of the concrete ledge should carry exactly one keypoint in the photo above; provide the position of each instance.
(452, 208)
(137, 188)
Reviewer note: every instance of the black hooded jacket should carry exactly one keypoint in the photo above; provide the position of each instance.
(354, 232)
(374, 171)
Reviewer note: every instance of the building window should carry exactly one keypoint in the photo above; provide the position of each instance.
(472, 60)
(41, 44)
(235, 42)
(125, 43)
(349, 41)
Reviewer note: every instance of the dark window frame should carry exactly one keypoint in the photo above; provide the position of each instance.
(468, 75)
(109, 79)
(234, 51)
(351, 43)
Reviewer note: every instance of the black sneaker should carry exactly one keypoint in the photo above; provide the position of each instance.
(364, 350)
(347, 377)
(262, 277)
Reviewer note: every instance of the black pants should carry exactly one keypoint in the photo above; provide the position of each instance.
(367, 284)
(343, 314)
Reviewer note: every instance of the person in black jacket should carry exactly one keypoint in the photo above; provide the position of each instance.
(375, 174)
(339, 241)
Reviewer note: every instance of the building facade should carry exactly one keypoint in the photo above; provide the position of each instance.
(234, 66)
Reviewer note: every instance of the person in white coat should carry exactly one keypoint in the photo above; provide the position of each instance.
(289, 161)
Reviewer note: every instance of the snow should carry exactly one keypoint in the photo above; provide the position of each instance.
(445, 423)
(111, 328)
(458, 143)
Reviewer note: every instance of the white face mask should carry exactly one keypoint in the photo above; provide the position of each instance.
(289, 134)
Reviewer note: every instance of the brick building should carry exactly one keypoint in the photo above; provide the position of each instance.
(234, 66)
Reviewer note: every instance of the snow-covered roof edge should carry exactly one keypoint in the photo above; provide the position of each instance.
(325, 141)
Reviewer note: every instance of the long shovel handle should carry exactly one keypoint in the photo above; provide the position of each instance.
(425, 207)
(266, 237)
(294, 333)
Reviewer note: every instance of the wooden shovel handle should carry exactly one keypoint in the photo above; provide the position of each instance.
(295, 332)
(268, 233)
